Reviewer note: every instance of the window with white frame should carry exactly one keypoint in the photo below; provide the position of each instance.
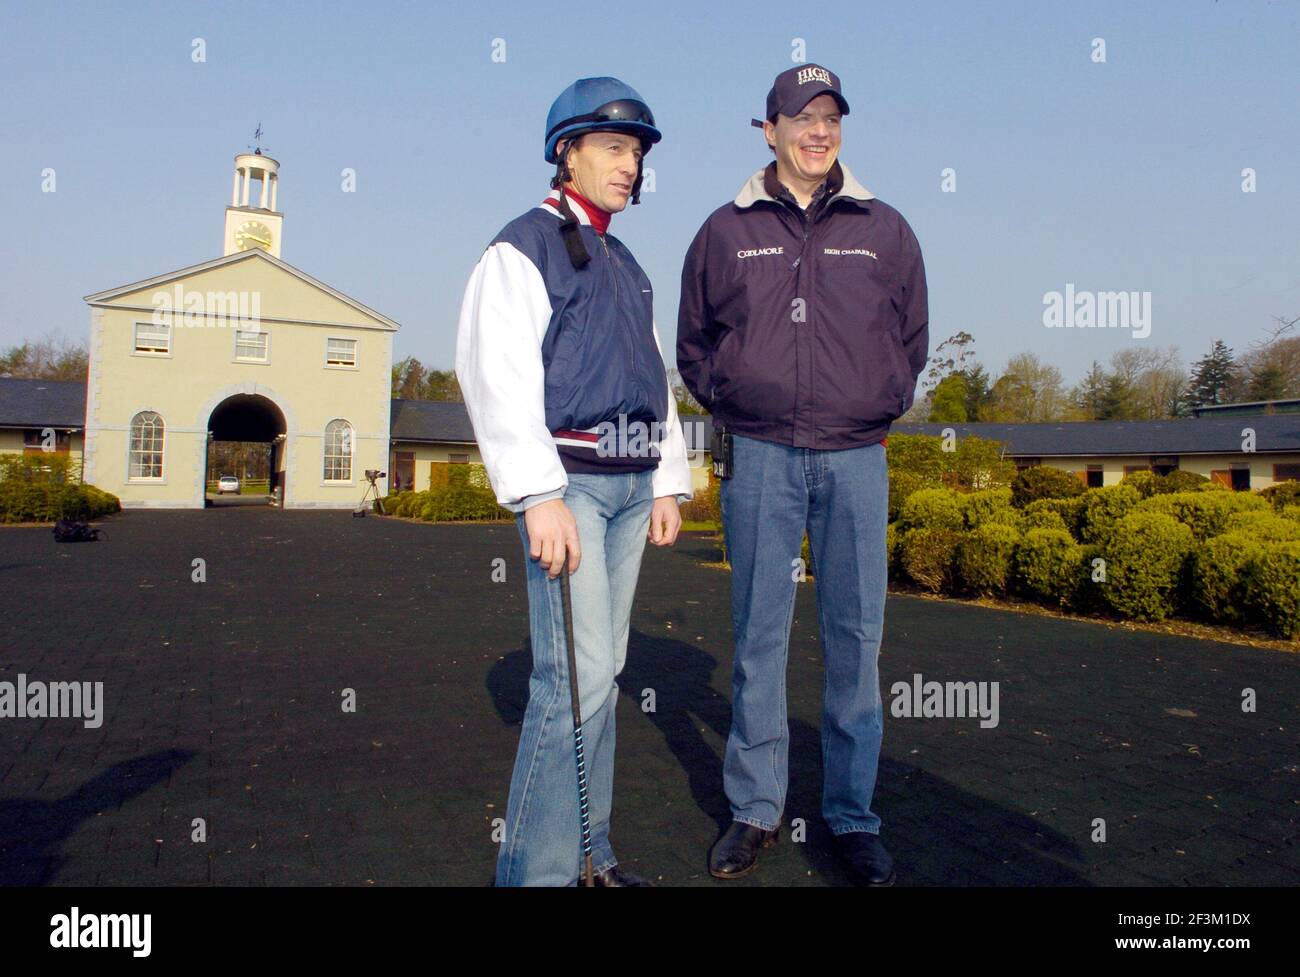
(150, 337)
(341, 352)
(251, 345)
(146, 445)
(338, 451)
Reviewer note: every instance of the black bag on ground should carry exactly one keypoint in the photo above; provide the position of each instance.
(72, 531)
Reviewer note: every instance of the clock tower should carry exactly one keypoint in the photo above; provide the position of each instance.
(257, 179)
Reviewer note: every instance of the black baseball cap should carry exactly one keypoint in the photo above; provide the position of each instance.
(797, 86)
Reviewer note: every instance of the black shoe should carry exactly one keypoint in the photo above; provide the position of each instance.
(617, 877)
(866, 858)
(736, 852)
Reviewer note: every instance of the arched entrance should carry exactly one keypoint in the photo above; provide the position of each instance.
(246, 439)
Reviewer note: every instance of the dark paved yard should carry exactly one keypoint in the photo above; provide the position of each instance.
(223, 703)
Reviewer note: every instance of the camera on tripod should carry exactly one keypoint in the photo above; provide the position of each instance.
(372, 476)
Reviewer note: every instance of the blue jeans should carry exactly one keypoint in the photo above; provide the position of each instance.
(543, 838)
(842, 498)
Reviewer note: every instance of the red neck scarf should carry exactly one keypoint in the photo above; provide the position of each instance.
(599, 218)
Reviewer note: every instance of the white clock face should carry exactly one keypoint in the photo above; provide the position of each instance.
(253, 234)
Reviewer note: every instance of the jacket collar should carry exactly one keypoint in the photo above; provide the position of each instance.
(552, 205)
(763, 185)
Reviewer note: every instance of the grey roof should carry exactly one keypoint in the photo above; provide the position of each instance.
(62, 404)
(430, 420)
(42, 403)
(447, 421)
(1201, 435)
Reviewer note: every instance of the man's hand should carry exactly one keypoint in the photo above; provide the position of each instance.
(665, 521)
(553, 532)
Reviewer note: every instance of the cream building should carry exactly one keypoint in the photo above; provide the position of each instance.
(245, 347)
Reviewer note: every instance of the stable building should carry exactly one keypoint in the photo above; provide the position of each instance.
(244, 347)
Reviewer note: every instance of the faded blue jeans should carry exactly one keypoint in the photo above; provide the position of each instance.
(842, 497)
(543, 838)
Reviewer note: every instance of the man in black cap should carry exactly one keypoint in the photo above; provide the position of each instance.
(803, 327)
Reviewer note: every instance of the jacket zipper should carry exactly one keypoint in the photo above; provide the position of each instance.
(627, 327)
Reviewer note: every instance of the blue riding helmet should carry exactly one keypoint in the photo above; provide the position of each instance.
(599, 103)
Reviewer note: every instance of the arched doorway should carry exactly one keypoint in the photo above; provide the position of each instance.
(246, 441)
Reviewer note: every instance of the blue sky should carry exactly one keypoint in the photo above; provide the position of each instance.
(1123, 175)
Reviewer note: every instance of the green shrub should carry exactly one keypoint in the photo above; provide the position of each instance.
(1274, 588)
(1103, 507)
(1090, 579)
(30, 494)
(1205, 512)
(1265, 526)
(902, 485)
(989, 506)
(411, 503)
(1069, 510)
(929, 557)
(932, 508)
(985, 558)
(1220, 572)
(1180, 481)
(1282, 495)
(1144, 481)
(1291, 512)
(1042, 518)
(706, 504)
(1146, 553)
(1047, 565)
(893, 550)
(1043, 482)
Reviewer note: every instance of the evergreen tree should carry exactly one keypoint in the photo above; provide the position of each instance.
(1212, 375)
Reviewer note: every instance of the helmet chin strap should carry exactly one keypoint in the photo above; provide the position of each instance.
(569, 228)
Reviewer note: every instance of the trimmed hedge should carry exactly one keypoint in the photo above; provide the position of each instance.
(989, 507)
(1145, 554)
(1220, 571)
(1206, 513)
(1047, 565)
(1103, 508)
(1263, 525)
(1282, 495)
(467, 496)
(928, 557)
(1070, 511)
(986, 556)
(30, 493)
(1043, 482)
(1043, 518)
(1273, 593)
(932, 508)
(1180, 481)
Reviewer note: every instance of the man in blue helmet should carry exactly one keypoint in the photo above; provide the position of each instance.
(560, 364)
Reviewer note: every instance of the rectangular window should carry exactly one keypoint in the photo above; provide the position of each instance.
(34, 439)
(251, 346)
(1130, 469)
(152, 338)
(341, 352)
(1286, 473)
(458, 459)
(1096, 476)
(1240, 474)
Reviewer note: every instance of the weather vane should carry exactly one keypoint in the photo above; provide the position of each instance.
(257, 140)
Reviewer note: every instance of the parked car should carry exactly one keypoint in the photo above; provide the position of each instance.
(228, 483)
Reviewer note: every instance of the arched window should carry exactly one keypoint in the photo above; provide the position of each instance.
(338, 451)
(146, 460)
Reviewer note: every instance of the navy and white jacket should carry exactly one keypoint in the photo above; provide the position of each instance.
(549, 356)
